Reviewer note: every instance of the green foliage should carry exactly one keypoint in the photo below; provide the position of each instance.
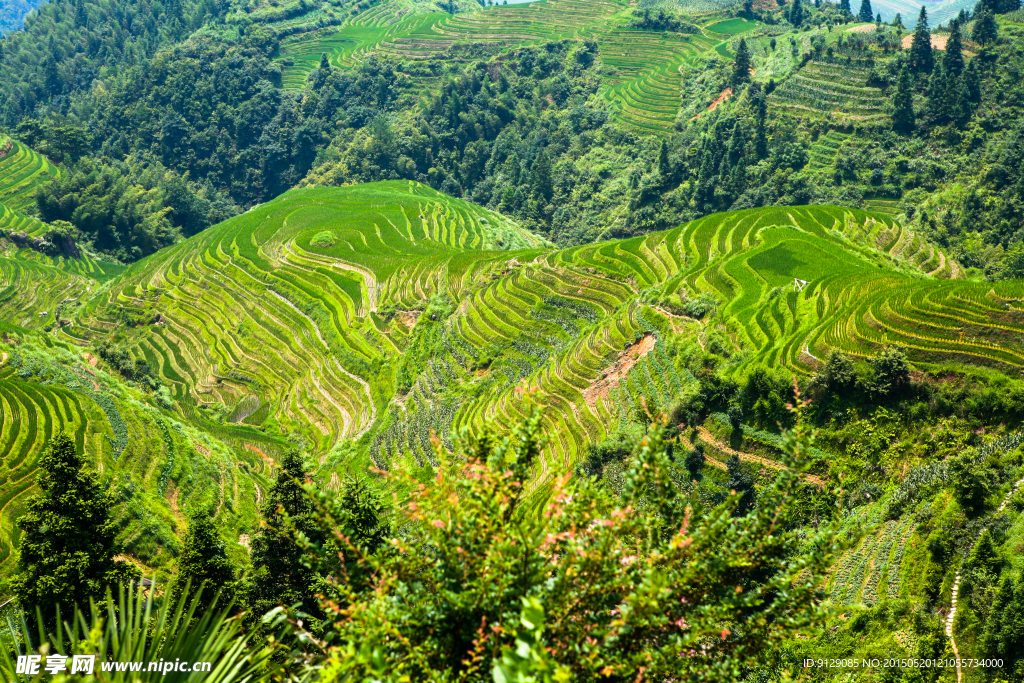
(972, 482)
(922, 60)
(279, 576)
(67, 549)
(903, 116)
(457, 584)
(129, 627)
(203, 565)
(865, 13)
(324, 240)
(742, 64)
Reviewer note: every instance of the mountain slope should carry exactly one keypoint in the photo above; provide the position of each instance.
(383, 312)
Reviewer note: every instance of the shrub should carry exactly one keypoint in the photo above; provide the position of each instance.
(324, 240)
(624, 584)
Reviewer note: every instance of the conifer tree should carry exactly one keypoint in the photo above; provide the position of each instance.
(986, 30)
(543, 188)
(983, 556)
(866, 13)
(953, 58)
(204, 563)
(898, 21)
(279, 575)
(903, 103)
(922, 60)
(878, 18)
(68, 544)
(664, 167)
(972, 80)
(796, 13)
(844, 7)
(741, 67)
(992, 635)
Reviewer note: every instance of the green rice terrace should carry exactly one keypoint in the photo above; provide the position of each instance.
(642, 85)
(380, 312)
(362, 321)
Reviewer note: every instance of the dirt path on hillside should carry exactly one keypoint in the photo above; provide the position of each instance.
(618, 370)
(714, 105)
(749, 457)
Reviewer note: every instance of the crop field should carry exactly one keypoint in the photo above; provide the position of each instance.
(645, 91)
(43, 390)
(642, 88)
(836, 86)
(870, 572)
(21, 170)
(732, 26)
(317, 312)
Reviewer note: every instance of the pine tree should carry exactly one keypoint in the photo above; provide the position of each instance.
(796, 13)
(741, 67)
(953, 58)
(972, 80)
(992, 635)
(903, 103)
(68, 544)
(203, 563)
(844, 7)
(279, 575)
(922, 60)
(543, 188)
(898, 21)
(81, 15)
(664, 167)
(986, 30)
(983, 556)
(866, 13)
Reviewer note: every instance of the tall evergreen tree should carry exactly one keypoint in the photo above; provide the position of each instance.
(986, 30)
(68, 543)
(279, 576)
(922, 60)
(844, 7)
(741, 67)
(664, 166)
(953, 58)
(903, 103)
(543, 187)
(204, 563)
(796, 13)
(972, 80)
(866, 13)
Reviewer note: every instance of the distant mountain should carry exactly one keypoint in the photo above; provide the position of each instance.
(13, 12)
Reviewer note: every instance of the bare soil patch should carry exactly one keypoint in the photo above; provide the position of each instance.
(618, 370)
(938, 42)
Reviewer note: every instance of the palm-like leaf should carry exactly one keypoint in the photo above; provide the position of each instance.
(131, 630)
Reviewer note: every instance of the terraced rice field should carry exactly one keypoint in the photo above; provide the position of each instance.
(825, 149)
(21, 171)
(643, 89)
(838, 87)
(255, 316)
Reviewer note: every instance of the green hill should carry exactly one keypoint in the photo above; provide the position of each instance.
(380, 312)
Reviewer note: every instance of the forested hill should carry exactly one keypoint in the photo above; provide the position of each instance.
(582, 120)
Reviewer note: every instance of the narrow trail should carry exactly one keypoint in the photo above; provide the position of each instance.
(956, 589)
(709, 438)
